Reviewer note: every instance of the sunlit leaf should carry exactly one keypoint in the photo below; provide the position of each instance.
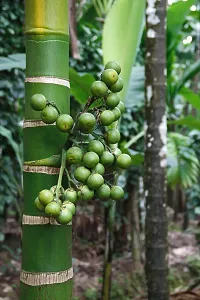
(135, 93)
(8, 135)
(183, 164)
(122, 33)
(80, 85)
(191, 97)
(176, 14)
(189, 121)
(189, 73)
(13, 61)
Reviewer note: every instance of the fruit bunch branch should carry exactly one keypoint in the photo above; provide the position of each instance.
(93, 160)
(89, 102)
(62, 168)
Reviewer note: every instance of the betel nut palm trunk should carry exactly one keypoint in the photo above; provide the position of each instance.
(155, 152)
(46, 271)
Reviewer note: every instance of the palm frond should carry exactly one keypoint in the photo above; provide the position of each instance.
(183, 164)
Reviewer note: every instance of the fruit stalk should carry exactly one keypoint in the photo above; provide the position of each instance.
(70, 181)
(62, 168)
(109, 236)
(46, 249)
(88, 103)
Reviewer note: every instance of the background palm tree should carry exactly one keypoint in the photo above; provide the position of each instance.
(155, 152)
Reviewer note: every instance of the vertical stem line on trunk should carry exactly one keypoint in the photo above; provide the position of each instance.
(109, 235)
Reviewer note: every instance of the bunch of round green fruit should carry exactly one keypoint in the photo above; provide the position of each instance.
(91, 170)
(92, 164)
(93, 159)
(50, 113)
(62, 209)
(107, 88)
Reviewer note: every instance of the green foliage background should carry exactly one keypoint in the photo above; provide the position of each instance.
(183, 105)
(182, 100)
(11, 102)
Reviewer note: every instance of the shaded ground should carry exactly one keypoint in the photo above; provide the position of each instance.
(184, 261)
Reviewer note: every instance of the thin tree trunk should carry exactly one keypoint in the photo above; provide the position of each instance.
(185, 210)
(155, 152)
(107, 271)
(135, 231)
(46, 249)
(73, 31)
(196, 79)
(175, 194)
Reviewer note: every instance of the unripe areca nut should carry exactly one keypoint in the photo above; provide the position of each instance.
(107, 117)
(118, 86)
(113, 65)
(109, 77)
(99, 89)
(64, 123)
(86, 122)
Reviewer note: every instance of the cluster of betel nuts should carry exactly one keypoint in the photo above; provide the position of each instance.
(93, 160)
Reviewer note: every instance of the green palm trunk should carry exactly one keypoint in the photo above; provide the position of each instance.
(46, 248)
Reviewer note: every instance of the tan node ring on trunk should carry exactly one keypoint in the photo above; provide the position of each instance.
(37, 279)
(48, 79)
(39, 220)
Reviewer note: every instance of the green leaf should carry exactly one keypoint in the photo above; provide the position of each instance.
(179, 139)
(137, 157)
(13, 61)
(173, 176)
(135, 95)
(102, 8)
(176, 14)
(189, 73)
(183, 164)
(80, 85)
(99, 9)
(8, 135)
(122, 34)
(174, 26)
(189, 121)
(190, 97)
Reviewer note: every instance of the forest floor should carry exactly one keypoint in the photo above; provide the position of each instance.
(184, 263)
